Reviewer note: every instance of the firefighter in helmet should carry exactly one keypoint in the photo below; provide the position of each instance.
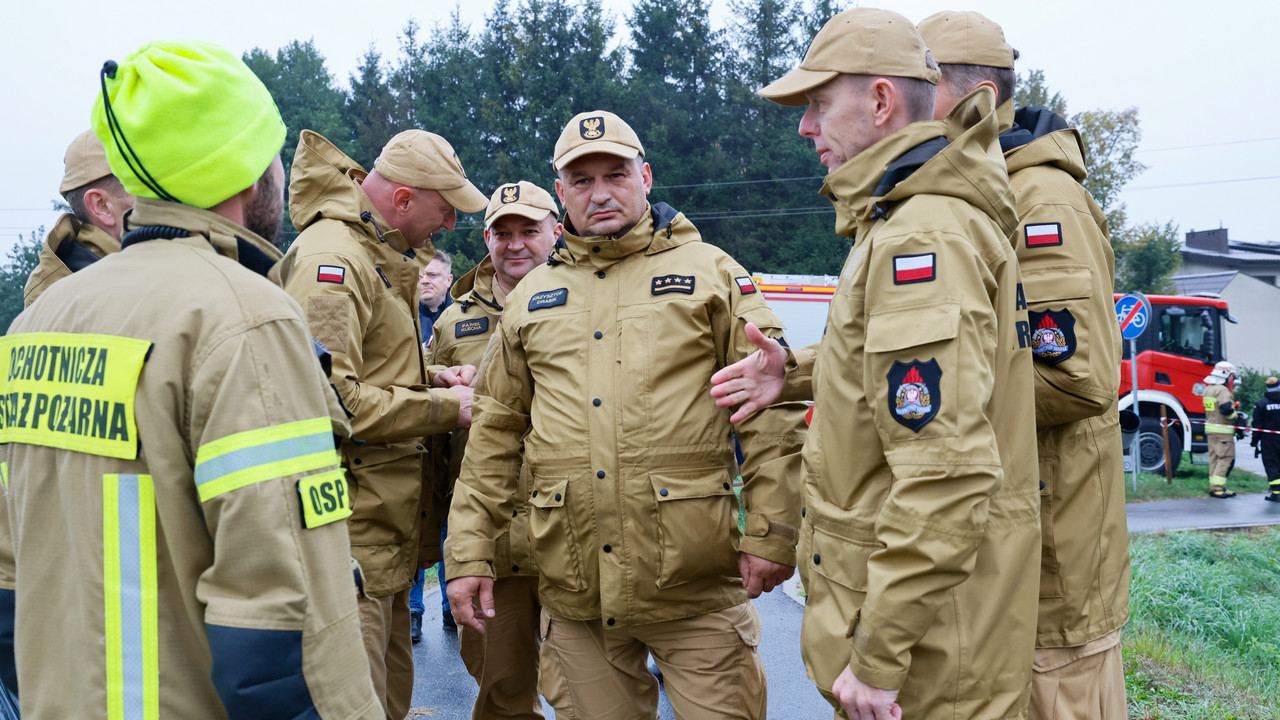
(1219, 426)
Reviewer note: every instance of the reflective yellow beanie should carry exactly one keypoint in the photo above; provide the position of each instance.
(193, 123)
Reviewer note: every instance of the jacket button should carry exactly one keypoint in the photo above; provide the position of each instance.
(515, 568)
(515, 513)
(727, 486)
(420, 447)
(802, 511)
(558, 496)
(535, 493)
(599, 473)
(424, 513)
(609, 622)
(608, 548)
(1041, 484)
(356, 461)
(663, 492)
(599, 334)
(596, 402)
(600, 274)
(596, 248)
(817, 559)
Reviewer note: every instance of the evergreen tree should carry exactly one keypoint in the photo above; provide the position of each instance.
(370, 110)
(21, 259)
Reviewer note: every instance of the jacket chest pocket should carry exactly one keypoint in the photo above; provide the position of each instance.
(552, 533)
(697, 525)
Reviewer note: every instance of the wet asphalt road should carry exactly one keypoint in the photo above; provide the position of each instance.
(443, 689)
(1207, 513)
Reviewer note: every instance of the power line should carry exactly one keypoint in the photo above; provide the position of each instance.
(737, 182)
(1205, 182)
(1212, 144)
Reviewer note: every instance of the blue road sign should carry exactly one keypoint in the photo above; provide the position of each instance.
(1132, 314)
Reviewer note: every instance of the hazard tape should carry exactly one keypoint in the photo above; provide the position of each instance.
(1171, 422)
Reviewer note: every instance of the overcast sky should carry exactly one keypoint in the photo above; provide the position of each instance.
(1191, 69)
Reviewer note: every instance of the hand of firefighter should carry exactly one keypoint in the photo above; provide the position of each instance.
(463, 393)
(1239, 433)
(1257, 451)
(455, 376)
(760, 575)
(469, 599)
(863, 702)
(753, 382)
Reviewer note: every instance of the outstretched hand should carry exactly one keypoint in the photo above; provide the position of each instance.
(753, 382)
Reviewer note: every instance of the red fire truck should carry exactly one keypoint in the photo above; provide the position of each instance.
(1181, 346)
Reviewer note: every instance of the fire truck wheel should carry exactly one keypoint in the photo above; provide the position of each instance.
(1153, 446)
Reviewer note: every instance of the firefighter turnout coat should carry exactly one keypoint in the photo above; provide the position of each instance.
(1067, 274)
(357, 280)
(920, 550)
(173, 542)
(601, 365)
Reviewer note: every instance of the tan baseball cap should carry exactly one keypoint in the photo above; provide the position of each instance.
(427, 161)
(966, 38)
(597, 131)
(522, 198)
(861, 41)
(85, 161)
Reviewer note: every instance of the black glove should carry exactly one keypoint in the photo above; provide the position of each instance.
(1239, 433)
(1257, 451)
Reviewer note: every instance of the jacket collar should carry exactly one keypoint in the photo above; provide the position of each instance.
(662, 227)
(1035, 136)
(478, 286)
(153, 219)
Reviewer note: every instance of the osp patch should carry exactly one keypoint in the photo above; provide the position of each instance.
(1054, 336)
(672, 283)
(915, 392)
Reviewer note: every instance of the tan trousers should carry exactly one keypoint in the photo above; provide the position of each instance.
(384, 625)
(709, 664)
(508, 676)
(1079, 683)
(1222, 457)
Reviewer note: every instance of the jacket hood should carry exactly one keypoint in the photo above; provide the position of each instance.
(1042, 137)
(662, 228)
(325, 184)
(69, 247)
(957, 157)
(152, 219)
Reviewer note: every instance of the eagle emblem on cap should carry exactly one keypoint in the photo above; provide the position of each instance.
(1054, 337)
(914, 390)
(510, 194)
(591, 128)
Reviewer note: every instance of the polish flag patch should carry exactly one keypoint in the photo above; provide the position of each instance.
(331, 274)
(746, 285)
(913, 268)
(1044, 235)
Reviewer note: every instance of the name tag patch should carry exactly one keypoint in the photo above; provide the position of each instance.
(72, 391)
(1044, 235)
(476, 326)
(324, 498)
(673, 283)
(549, 299)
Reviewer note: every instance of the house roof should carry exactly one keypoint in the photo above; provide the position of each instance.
(1204, 282)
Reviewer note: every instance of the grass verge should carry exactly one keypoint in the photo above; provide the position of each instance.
(1190, 481)
(1203, 640)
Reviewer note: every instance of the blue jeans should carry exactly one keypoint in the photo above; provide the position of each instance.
(415, 593)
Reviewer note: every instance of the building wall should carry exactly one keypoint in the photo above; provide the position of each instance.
(1192, 267)
(1255, 341)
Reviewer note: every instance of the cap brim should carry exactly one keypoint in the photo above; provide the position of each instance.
(466, 198)
(790, 88)
(603, 146)
(524, 211)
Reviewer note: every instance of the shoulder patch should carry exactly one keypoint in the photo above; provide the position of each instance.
(672, 283)
(745, 284)
(1043, 235)
(548, 299)
(914, 268)
(331, 274)
(1053, 337)
(915, 392)
(474, 326)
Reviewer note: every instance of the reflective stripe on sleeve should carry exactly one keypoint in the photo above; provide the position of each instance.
(252, 456)
(4, 475)
(130, 587)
